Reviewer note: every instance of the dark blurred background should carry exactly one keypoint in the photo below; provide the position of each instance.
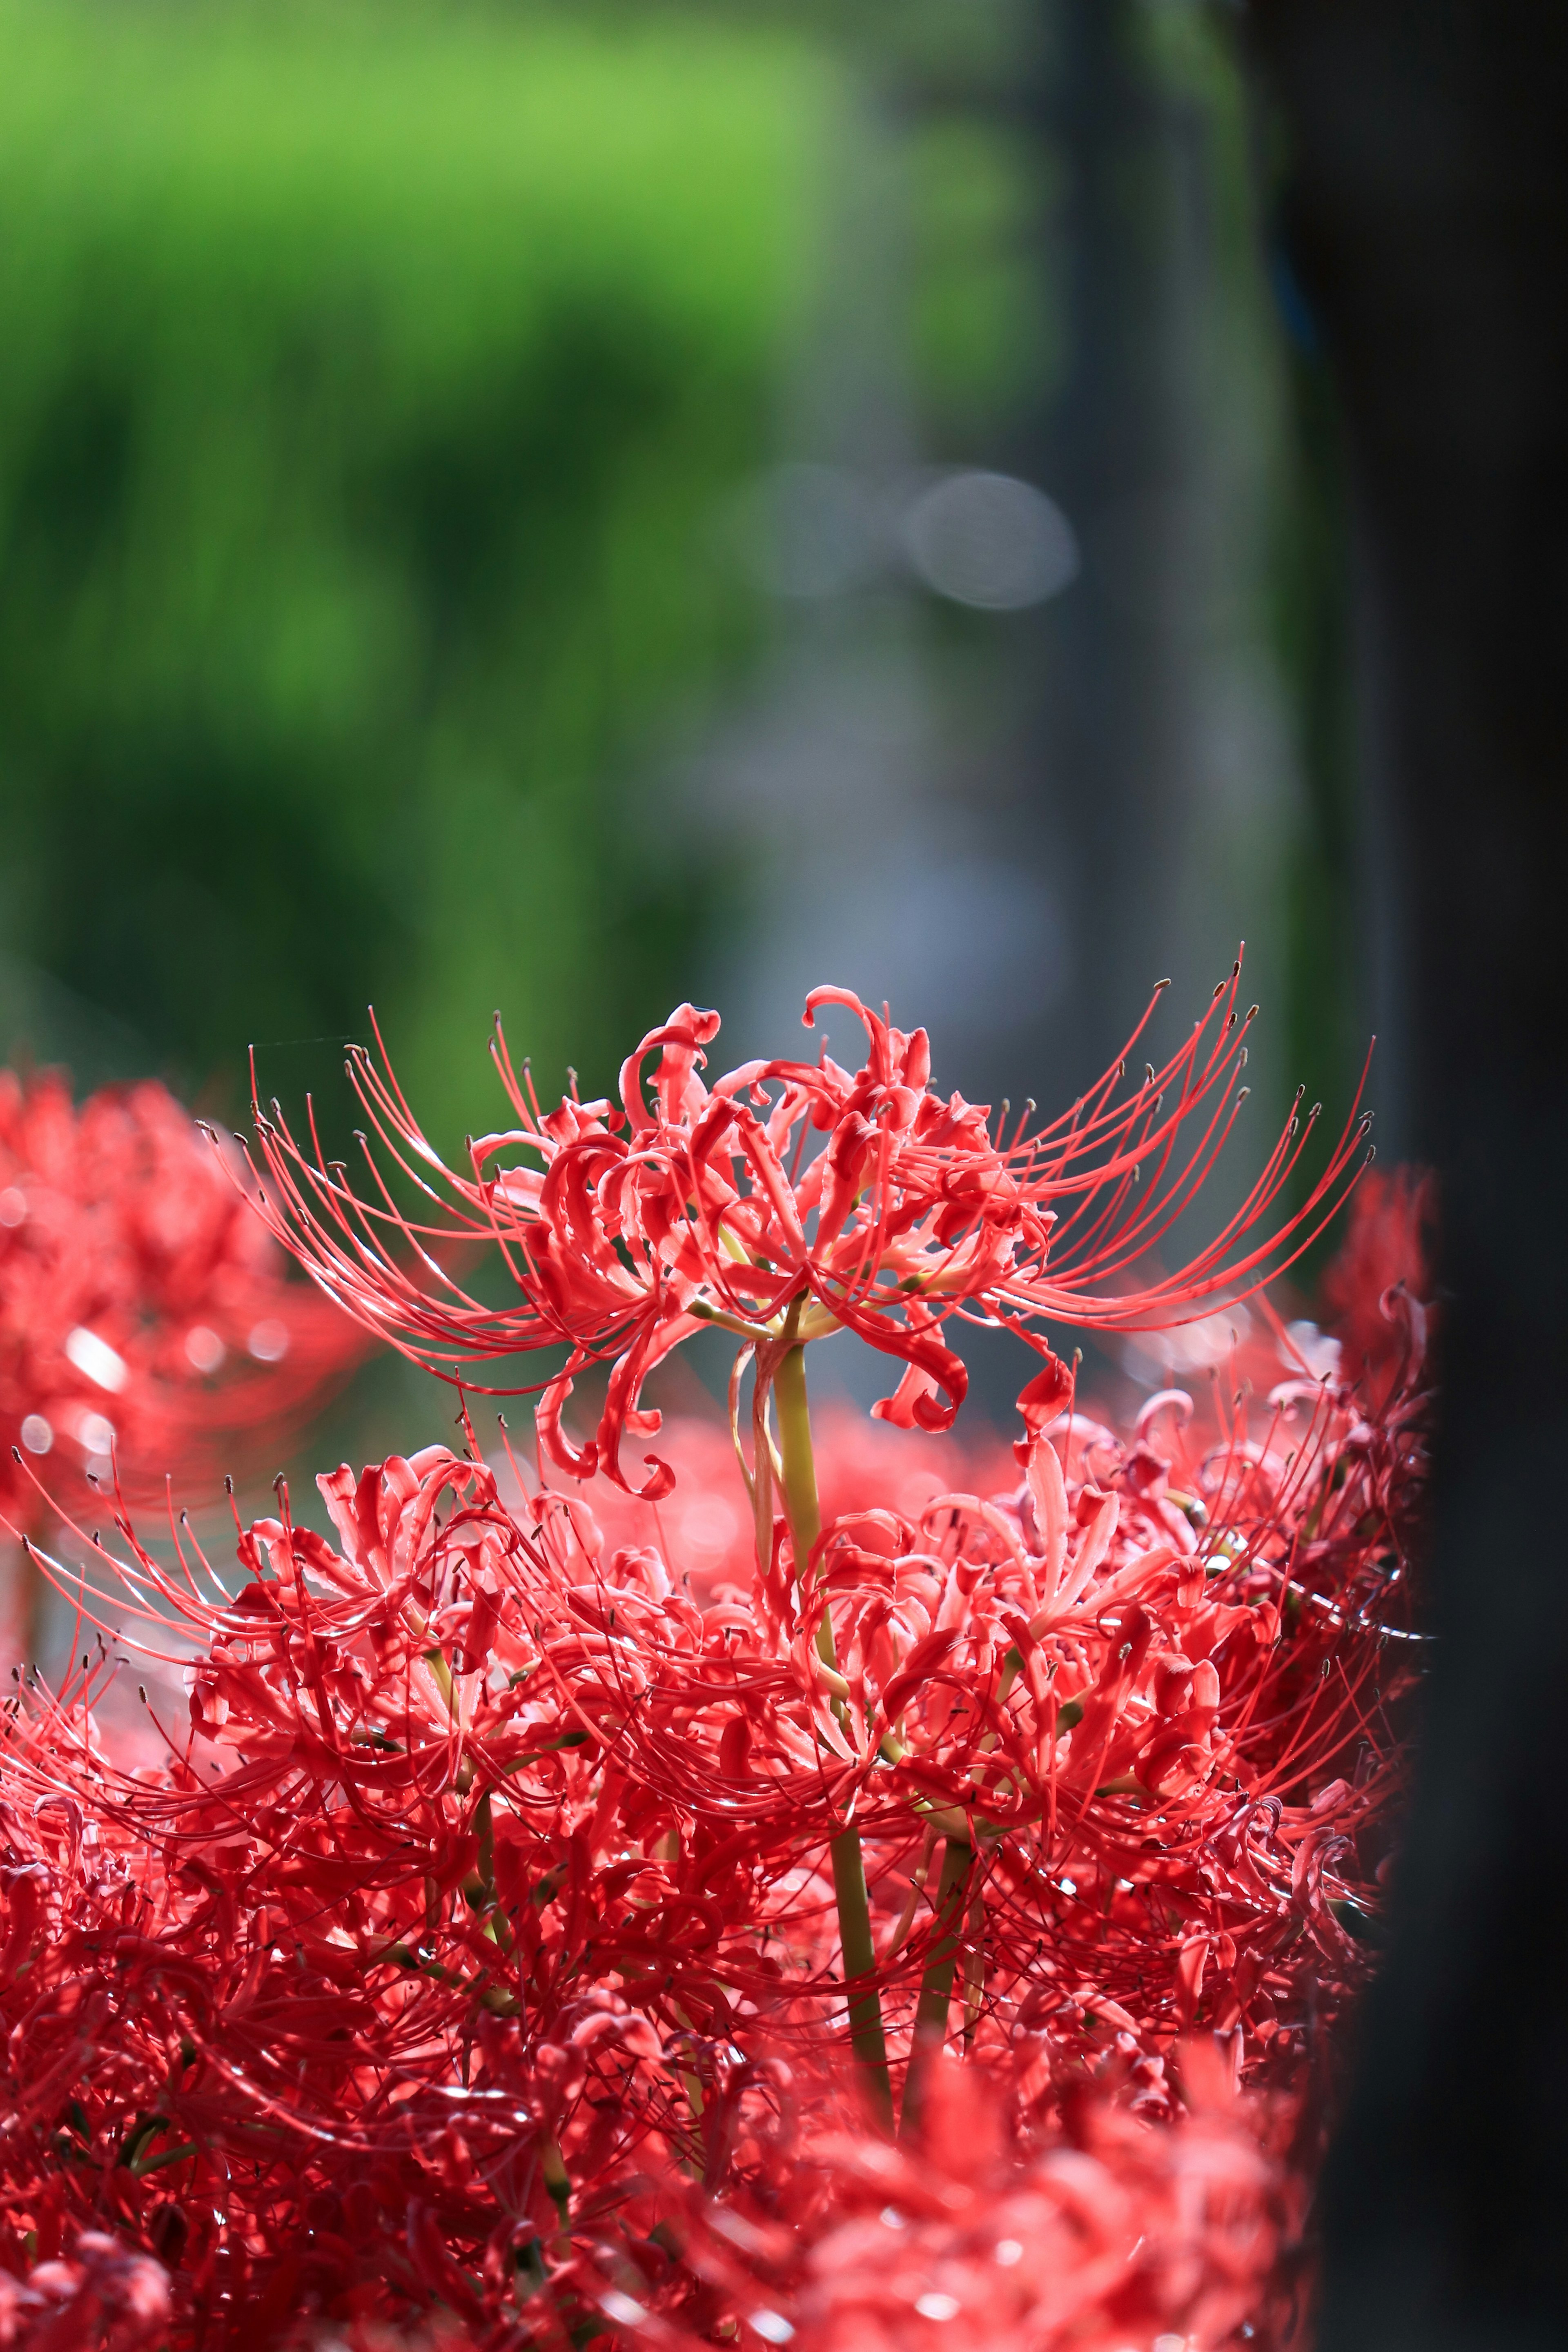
(568, 511)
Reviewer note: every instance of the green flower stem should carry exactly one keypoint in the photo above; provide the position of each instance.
(558, 2181)
(804, 1511)
(936, 1985)
(866, 2035)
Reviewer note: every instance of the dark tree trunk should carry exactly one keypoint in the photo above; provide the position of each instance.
(1428, 222)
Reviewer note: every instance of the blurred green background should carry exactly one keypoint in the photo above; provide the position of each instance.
(369, 379)
(387, 401)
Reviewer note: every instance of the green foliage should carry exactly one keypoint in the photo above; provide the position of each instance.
(370, 380)
(985, 339)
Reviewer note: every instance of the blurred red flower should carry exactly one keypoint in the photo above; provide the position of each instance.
(145, 1313)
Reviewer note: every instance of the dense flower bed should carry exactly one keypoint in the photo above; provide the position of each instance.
(860, 1894)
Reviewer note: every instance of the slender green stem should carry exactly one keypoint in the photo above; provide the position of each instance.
(936, 1984)
(804, 1511)
(866, 2035)
(558, 2181)
(800, 1473)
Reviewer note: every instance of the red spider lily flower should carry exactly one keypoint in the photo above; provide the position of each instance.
(345, 1930)
(790, 1200)
(1109, 2232)
(104, 2295)
(143, 1311)
(1147, 1680)
(472, 1948)
(1376, 1291)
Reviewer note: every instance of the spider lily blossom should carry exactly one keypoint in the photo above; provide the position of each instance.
(626, 1230)
(144, 1315)
(788, 1201)
(467, 1956)
(1110, 2232)
(464, 1948)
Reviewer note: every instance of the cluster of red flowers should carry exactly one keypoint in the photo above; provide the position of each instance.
(143, 1312)
(905, 1901)
(147, 1323)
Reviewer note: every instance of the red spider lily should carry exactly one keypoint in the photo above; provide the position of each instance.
(1077, 1682)
(1376, 1288)
(622, 1244)
(143, 1312)
(788, 1201)
(319, 2023)
(1107, 2231)
(104, 2295)
(474, 1948)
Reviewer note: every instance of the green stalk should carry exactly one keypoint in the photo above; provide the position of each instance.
(936, 1985)
(805, 1513)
